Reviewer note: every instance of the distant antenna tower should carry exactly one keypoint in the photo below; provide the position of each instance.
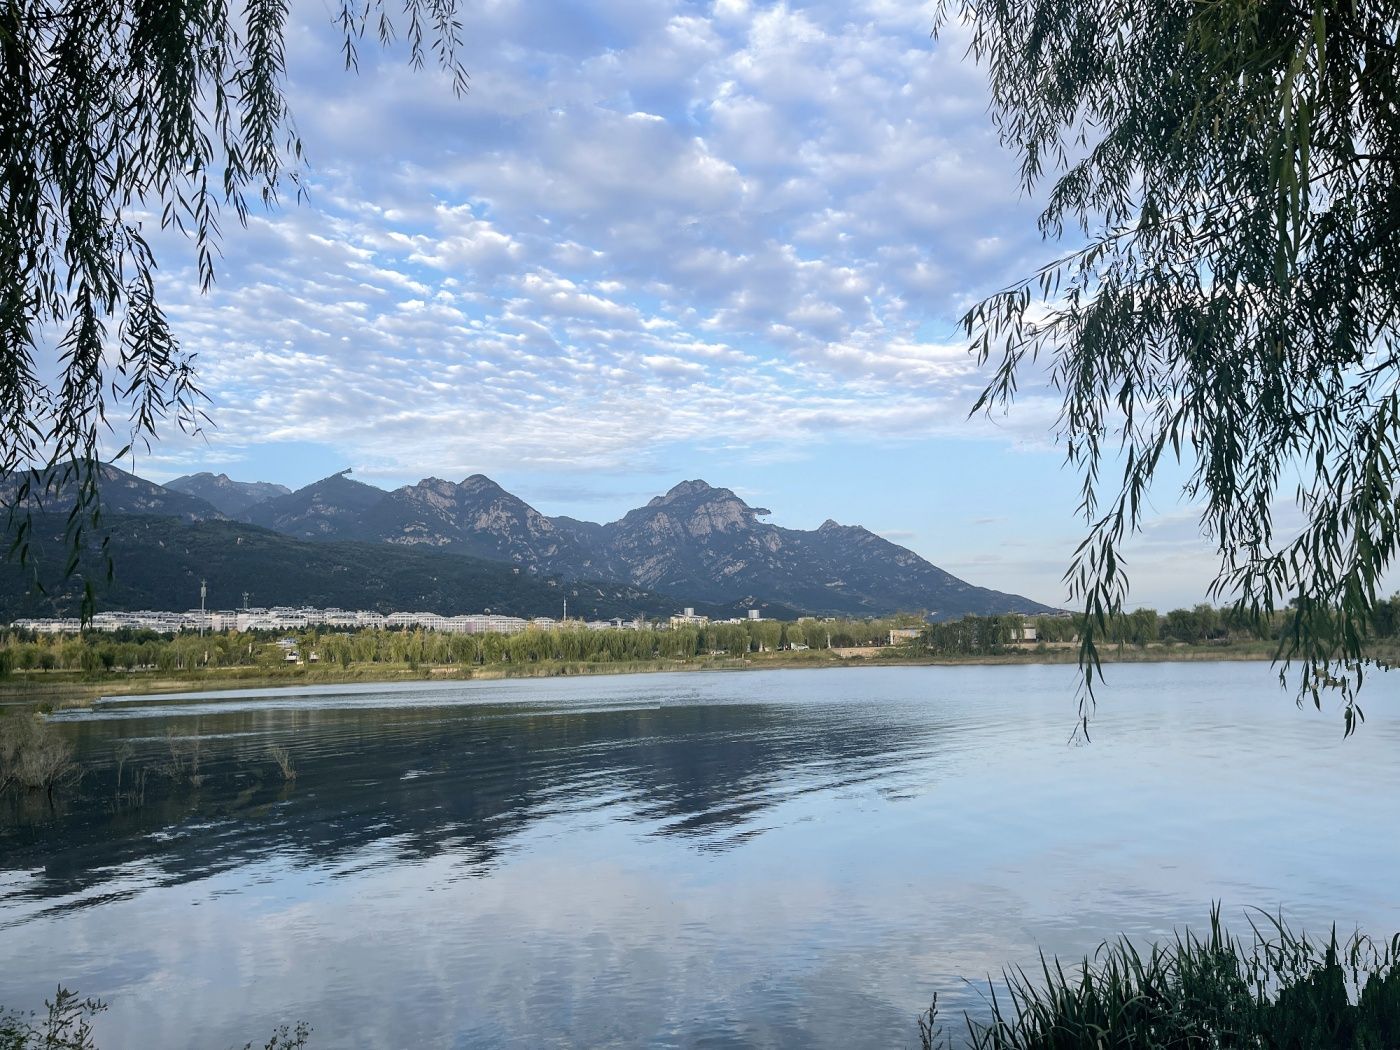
(566, 610)
(203, 590)
(245, 601)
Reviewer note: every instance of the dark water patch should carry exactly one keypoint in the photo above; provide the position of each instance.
(427, 775)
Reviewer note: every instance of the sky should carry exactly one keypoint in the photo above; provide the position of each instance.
(653, 242)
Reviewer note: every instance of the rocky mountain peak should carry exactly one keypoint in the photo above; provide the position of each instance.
(682, 491)
(689, 488)
(482, 482)
(436, 486)
(694, 510)
(690, 497)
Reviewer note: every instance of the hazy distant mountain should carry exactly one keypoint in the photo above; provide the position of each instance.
(229, 496)
(159, 563)
(118, 493)
(331, 508)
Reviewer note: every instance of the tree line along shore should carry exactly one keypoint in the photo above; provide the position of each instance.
(124, 661)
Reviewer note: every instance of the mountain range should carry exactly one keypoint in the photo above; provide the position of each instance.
(159, 562)
(696, 544)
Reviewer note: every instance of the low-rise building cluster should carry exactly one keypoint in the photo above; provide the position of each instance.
(689, 618)
(286, 618)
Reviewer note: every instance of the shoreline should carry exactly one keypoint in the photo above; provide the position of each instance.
(56, 690)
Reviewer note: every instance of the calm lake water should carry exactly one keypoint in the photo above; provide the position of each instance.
(787, 858)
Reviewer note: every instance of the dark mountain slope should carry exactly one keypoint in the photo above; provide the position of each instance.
(160, 561)
(332, 508)
(118, 492)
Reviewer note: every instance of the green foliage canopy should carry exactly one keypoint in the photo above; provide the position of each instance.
(1231, 168)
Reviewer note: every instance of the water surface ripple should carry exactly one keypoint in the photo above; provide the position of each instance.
(746, 860)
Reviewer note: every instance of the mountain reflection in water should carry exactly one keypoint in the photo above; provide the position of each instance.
(437, 770)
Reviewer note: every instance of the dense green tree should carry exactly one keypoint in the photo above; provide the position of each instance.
(1229, 169)
(1136, 628)
(1181, 625)
(972, 635)
(1385, 618)
(1056, 628)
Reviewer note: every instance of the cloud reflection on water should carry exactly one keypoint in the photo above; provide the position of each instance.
(760, 859)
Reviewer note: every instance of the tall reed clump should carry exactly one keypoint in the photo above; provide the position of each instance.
(1283, 992)
(186, 756)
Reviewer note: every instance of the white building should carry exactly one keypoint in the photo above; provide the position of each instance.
(281, 618)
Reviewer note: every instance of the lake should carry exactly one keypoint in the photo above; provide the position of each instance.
(758, 859)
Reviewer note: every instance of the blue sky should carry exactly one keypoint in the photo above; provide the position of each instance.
(655, 241)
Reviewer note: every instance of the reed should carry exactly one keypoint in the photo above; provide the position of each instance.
(283, 758)
(186, 756)
(1281, 991)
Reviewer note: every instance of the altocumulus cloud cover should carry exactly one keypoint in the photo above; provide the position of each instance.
(655, 240)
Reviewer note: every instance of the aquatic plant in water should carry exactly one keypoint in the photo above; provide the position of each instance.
(1283, 992)
(33, 756)
(67, 1025)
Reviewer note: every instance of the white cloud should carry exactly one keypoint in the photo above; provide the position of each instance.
(639, 229)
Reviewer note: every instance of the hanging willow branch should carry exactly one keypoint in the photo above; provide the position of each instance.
(1233, 168)
(111, 111)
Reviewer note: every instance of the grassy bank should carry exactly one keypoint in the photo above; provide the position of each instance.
(61, 689)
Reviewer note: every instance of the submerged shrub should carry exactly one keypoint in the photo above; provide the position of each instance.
(34, 757)
(1283, 992)
(283, 758)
